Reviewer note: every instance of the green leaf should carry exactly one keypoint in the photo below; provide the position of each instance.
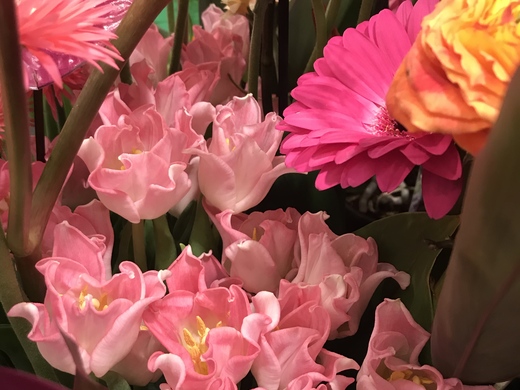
(302, 36)
(12, 348)
(475, 332)
(404, 240)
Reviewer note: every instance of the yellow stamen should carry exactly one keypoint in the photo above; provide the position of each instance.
(197, 348)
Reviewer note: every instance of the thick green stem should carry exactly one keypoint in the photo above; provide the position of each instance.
(139, 17)
(171, 17)
(201, 238)
(178, 37)
(126, 75)
(365, 12)
(322, 34)
(165, 249)
(16, 118)
(138, 243)
(255, 48)
(331, 15)
(10, 295)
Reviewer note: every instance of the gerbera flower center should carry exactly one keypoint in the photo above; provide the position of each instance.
(384, 124)
(196, 345)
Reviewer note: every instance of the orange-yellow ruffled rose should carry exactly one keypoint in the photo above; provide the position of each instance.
(454, 78)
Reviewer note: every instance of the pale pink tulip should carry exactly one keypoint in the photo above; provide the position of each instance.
(102, 317)
(345, 268)
(154, 49)
(223, 43)
(137, 166)
(292, 351)
(196, 274)
(258, 248)
(93, 220)
(211, 337)
(239, 166)
(392, 360)
(183, 91)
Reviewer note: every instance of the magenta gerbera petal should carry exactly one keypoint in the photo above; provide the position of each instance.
(339, 123)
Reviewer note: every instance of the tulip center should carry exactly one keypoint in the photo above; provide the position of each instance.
(134, 151)
(100, 303)
(413, 376)
(384, 124)
(196, 345)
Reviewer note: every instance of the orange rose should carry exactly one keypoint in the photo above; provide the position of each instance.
(456, 74)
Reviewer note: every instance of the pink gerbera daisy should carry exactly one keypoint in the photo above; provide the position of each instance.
(340, 126)
(57, 35)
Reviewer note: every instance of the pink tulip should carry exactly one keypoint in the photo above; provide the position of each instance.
(93, 220)
(137, 166)
(239, 166)
(211, 337)
(223, 42)
(197, 274)
(392, 360)
(344, 267)
(292, 353)
(258, 248)
(102, 317)
(154, 49)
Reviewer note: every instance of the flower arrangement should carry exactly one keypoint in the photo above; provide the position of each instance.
(269, 195)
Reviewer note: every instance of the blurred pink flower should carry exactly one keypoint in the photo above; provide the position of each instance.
(154, 50)
(223, 46)
(211, 337)
(345, 268)
(5, 182)
(292, 353)
(340, 126)
(240, 165)
(392, 360)
(137, 166)
(259, 247)
(58, 35)
(102, 317)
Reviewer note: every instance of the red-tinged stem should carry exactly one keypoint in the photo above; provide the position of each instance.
(16, 119)
(136, 22)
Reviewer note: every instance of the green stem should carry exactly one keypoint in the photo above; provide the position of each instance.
(365, 12)
(10, 295)
(138, 244)
(201, 238)
(180, 29)
(322, 34)
(126, 75)
(39, 125)
(115, 381)
(171, 17)
(139, 17)
(16, 117)
(165, 249)
(331, 15)
(255, 48)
